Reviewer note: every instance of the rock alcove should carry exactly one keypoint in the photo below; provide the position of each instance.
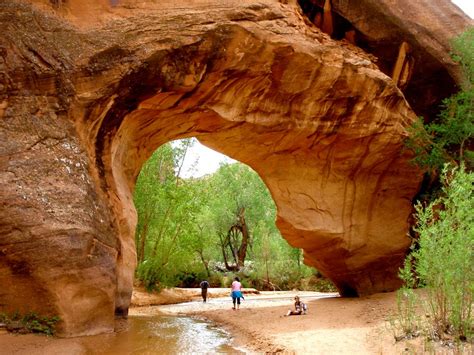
(88, 92)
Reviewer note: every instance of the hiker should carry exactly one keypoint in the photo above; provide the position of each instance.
(236, 292)
(204, 286)
(300, 308)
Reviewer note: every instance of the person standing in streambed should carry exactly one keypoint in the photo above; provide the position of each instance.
(236, 292)
(204, 286)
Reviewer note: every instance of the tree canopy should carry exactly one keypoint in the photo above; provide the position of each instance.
(209, 227)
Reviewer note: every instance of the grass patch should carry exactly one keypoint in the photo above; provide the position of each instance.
(30, 322)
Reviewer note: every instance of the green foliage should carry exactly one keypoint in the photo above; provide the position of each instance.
(444, 260)
(448, 138)
(30, 322)
(317, 282)
(149, 272)
(40, 324)
(3, 317)
(463, 47)
(429, 153)
(180, 221)
(167, 206)
(407, 322)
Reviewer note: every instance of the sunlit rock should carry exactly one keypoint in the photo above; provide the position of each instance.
(89, 89)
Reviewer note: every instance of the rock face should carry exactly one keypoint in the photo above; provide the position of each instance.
(421, 29)
(88, 91)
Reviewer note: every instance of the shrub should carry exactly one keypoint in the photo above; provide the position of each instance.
(444, 259)
(30, 323)
(149, 274)
(448, 137)
(40, 324)
(407, 323)
(3, 317)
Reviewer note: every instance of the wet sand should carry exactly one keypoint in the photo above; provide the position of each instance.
(333, 325)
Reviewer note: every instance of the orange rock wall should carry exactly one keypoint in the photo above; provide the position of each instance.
(89, 91)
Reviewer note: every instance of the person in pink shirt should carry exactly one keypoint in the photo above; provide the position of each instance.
(236, 292)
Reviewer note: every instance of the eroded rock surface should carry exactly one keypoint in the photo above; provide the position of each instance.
(88, 91)
(421, 29)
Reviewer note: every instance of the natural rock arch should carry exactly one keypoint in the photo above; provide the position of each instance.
(82, 110)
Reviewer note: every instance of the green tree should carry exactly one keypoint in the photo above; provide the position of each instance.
(243, 202)
(150, 190)
(275, 263)
(166, 205)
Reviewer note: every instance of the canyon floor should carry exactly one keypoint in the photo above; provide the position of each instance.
(333, 325)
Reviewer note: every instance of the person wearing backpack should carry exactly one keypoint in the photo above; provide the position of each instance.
(300, 308)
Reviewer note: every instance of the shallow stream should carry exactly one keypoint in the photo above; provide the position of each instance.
(149, 332)
(163, 334)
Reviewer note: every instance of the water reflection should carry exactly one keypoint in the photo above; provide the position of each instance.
(167, 335)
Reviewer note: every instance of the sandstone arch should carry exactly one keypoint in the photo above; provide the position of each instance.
(83, 107)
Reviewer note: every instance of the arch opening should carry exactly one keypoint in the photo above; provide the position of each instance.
(194, 226)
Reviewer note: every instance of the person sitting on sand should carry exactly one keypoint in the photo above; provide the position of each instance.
(300, 308)
(236, 292)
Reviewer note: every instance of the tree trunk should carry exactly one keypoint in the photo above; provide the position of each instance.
(223, 246)
(245, 238)
(204, 262)
(144, 235)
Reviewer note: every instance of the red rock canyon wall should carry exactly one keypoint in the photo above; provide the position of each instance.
(88, 91)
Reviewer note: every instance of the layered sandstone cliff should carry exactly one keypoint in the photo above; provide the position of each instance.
(90, 89)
